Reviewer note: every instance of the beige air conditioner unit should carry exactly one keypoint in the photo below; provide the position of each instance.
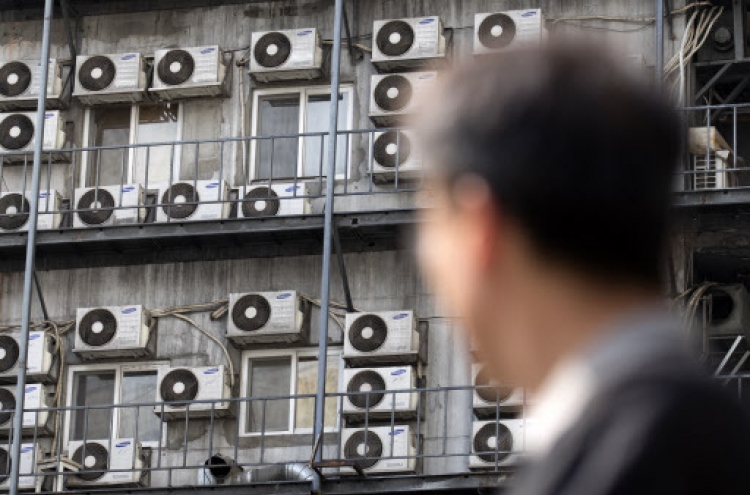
(501, 31)
(20, 82)
(112, 78)
(395, 96)
(498, 443)
(406, 43)
(15, 207)
(293, 54)
(190, 72)
(18, 134)
(108, 462)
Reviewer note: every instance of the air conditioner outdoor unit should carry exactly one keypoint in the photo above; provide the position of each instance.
(18, 135)
(121, 198)
(712, 172)
(385, 337)
(20, 81)
(190, 72)
(372, 392)
(509, 30)
(730, 310)
(380, 449)
(179, 386)
(265, 317)
(113, 331)
(112, 462)
(37, 423)
(15, 207)
(490, 397)
(394, 154)
(395, 96)
(31, 453)
(39, 364)
(189, 201)
(278, 200)
(498, 443)
(405, 43)
(286, 55)
(112, 78)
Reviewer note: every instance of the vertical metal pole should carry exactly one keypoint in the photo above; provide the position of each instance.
(659, 69)
(325, 286)
(28, 278)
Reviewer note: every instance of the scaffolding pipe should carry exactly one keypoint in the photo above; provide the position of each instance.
(28, 278)
(325, 285)
(659, 72)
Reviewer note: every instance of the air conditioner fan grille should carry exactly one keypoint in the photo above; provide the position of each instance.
(179, 386)
(392, 149)
(261, 202)
(395, 38)
(97, 73)
(95, 462)
(16, 132)
(488, 390)
(368, 333)
(393, 93)
(174, 198)
(497, 31)
(10, 353)
(251, 312)
(493, 440)
(7, 405)
(15, 79)
(365, 447)
(90, 201)
(272, 50)
(176, 67)
(6, 464)
(16, 207)
(363, 381)
(97, 327)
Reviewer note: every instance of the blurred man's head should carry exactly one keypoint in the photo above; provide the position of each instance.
(550, 172)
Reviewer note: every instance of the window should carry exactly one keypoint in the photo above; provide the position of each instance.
(112, 384)
(127, 125)
(272, 377)
(289, 112)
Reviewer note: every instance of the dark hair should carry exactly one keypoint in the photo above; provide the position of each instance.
(572, 147)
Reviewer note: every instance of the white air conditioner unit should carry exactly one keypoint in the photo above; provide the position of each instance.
(113, 331)
(18, 135)
(190, 72)
(121, 199)
(395, 155)
(189, 201)
(405, 43)
(20, 81)
(490, 397)
(112, 78)
(372, 392)
(31, 454)
(395, 96)
(110, 462)
(286, 55)
(729, 310)
(179, 386)
(380, 449)
(498, 443)
(39, 364)
(712, 172)
(15, 207)
(500, 31)
(278, 200)
(265, 317)
(384, 337)
(37, 423)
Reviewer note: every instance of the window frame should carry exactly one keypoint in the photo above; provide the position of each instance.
(335, 353)
(304, 92)
(119, 369)
(135, 109)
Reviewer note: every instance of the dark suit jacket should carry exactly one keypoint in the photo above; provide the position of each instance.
(661, 429)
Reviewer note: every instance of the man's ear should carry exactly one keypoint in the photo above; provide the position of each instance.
(473, 199)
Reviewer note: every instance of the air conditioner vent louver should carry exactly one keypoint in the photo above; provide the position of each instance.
(261, 202)
(392, 149)
(16, 132)
(16, 206)
(490, 391)
(395, 38)
(497, 31)
(272, 49)
(91, 200)
(251, 312)
(371, 380)
(15, 79)
(7, 405)
(9, 352)
(368, 333)
(173, 198)
(393, 93)
(95, 464)
(493, 441)
(178, 386)
(98, 327)
(176, 67)
(365, 447)
(97, 73)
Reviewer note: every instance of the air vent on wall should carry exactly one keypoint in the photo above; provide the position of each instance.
(729, 307)
(384, 337)
(190, 72)
(500, 31)
(498, 443)
(18, 134)
(380, 449)
(108, 205)
(112, 78)
(407, 43)
(19, 84)
(39, 362)
(193, 201)
(265, 317)
(372, 392)
(110, 462)
(395, 96)
(113, 331)
(286, 55)
(275, 200)
(179, 386)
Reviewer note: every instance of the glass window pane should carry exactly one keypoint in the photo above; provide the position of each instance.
(316, 120)
(92, 389)
(278, 115)
(269, 378)
(109, 127)
(156, 124)
(307, 380)
(138, 388)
